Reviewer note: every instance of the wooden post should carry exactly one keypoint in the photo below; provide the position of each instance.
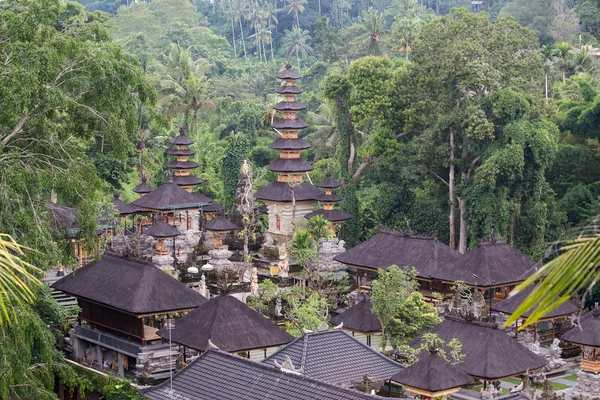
(553, 330)
(534, 332)
(390, 388)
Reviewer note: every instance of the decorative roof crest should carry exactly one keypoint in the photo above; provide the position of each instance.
(288, 366)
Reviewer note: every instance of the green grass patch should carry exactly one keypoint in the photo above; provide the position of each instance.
(571, 377)
(514, 381)
(556, 386)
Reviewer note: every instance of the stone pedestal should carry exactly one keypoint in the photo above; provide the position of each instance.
(219, 258)
(330, 248)
(587, 387)
(283, 218)
(164, 262)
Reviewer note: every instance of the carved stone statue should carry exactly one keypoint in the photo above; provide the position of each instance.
(203, 290)
(254, 284)
(548, 392)
(278, 307)
(284, 263)
(554, 358)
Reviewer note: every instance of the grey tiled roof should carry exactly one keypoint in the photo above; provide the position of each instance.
(336, 357)
(217, 375)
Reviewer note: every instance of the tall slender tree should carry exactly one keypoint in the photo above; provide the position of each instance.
(295, 42)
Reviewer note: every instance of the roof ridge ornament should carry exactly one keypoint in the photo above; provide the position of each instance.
(492, 236)
(323, 327)
(288, 366)
(212, 345)
(340, 326)
(182, 130)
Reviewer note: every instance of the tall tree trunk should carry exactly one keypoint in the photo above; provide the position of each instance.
(298, 59)
(233, 31)
(319, 7)
(243, 42)
(297, 20)
(271, 43)
(462, 204)
(546, 87)
(437, 7)
(197, 133)
(451, 186)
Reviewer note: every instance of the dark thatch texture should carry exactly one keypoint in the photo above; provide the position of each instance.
(332, 198)
(288, 73)
(290, 165)
(162, 230)
(427, 254)
(124, 208)
(359, 318)
(143, 188)
(587, 333)
(217, 375)
(433, 374)
(182, 164)
(289, 106)
(496, 262)
(335, 357)
(263, 209)
(220, 225)
(214, 207)
(328, 183)
(283, 123)
(181, 140)
(181, 152)
(201, 198)
(63, 218)
(230, 324)
(130, 285)
(289, 144)
(188, 180)
(510, 305)
(282, 191)
(169, 196)
(490, 354)
(292, 89)
(330, 215)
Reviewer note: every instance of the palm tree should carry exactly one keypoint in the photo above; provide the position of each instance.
(228, 9)
(374, 23)
(239, 11)
(17, 278)
(564, 54)
(548, 52)
(296, 42)
(271, 11)
(296, 7)
(407, 27)
(583, 61)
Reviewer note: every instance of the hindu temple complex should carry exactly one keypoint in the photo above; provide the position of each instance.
(189, 304)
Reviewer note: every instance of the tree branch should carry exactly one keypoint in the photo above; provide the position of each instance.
(351, 158)
(445, 182)
(361, 168)
(475, 161)
(16, 130)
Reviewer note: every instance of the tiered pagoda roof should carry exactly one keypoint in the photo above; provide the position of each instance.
(217, 375)
(328, 199)
(162, 230)
(169, 197)
(358, 318)
(143, 187)
(490, 264)
(510, 305)
(229, 324)
(335, 357)
(289, 167)
(404, 249)
(130, 285)
(122, 207)
(181, 165)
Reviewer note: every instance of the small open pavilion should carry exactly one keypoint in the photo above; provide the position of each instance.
(230, 325)
(432, 377)
(359, 319)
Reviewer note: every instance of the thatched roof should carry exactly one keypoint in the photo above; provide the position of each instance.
(587, 333)
(214, 207)
(230, 324)
(426, 253)
(288, 73)
(162, 230)
(289, 144)
(490, 353)
(182, 164)
(330, 215)
(182, 139)
(63, 218)
(359, 318)
(335, 357)
(188, 180)
(296, 123)
(282, 191)
(181, 152)
(510, 305)
(143, 187)
(217, 375)
(433, 374)
(122, 207)
(494, 262)
(289, 165)
(292, 89)
(328, 183)
(130, 285)
(289, 106)
(169, 196)
(220, 225)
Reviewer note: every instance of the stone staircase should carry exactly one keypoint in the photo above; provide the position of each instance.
(61, 298)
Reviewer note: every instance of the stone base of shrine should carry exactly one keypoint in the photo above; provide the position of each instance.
(588, 386)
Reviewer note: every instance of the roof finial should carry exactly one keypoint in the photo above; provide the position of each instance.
(117, 194)
(169, 177)
(288, 366)
(144, 178)
(182, 130)
(212, 345)
(288, 66)
(492, 237)
(53, 196)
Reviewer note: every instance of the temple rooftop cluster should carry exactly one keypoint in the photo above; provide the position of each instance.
(170, 295)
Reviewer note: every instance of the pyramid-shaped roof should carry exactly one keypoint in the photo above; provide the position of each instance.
(230, 324)
(359, 318)
(162, 230)
(510, 305)
(587, 333)
(168, 196)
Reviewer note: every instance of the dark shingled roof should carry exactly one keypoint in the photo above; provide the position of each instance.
(335, 357)
(282, 191)
(289, 144)
(263, 209)
(162, 230)
(329, 183)
(130, 285)
(219, 225)
(181, 140)
(290, 165)
(490, 353)
(217, 375)
(168, 196)
(332, 198)
(285, 89)
(330, 215)
(182, 164)
(587, 333)
(202, 198)
(230, 324)
(283, 123)
(188, 180)
(288, 73)
(358, 318)
(433, 374)
(289, 106)
(64, 218)
(143, 188)
(124, 208)
(183, 152)
(510, 305)
(427, 254)
(214, 207)
(494, 262)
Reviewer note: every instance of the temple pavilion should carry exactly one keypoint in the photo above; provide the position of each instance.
(123, 303)
(230, 325)
(336, 217)
(490, 354)
(289, 198)
(359, 320)
(587, 335)
(432, 377)
(217, 375)
(335, 357)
